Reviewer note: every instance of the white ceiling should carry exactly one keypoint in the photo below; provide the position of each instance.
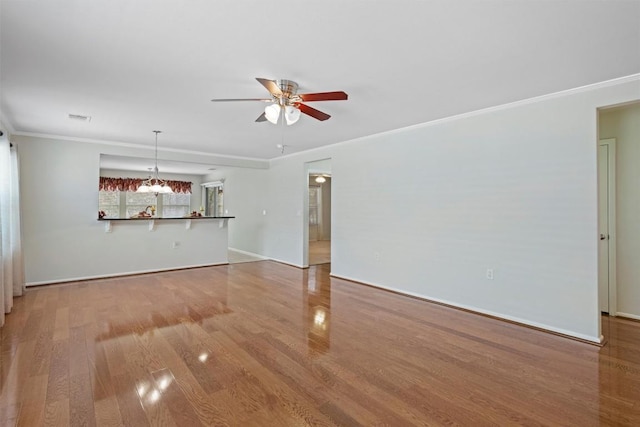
(136, 66)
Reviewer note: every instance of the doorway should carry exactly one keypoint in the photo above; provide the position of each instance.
(619, 129)
(318, 218)
(212, 198)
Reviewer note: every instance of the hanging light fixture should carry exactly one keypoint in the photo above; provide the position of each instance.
(272, 113)
(154, 184)
(291, 113)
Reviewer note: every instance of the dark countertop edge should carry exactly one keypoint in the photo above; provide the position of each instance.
(164, 219)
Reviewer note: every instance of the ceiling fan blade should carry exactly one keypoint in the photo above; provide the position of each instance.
(262, 118)
(324, 96)
(271, 86)
(241, 99)
(316, 114)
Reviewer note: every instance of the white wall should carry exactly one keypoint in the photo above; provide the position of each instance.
(62, 238)
(623, 124)
(244, 197)
(428, 209)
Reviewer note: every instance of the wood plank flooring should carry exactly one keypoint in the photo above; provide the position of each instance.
(265, 344)
(319, 252)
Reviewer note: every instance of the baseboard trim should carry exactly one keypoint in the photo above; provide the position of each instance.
(287, 263)
(598, 341)
(628, 315)
(265, 258)
(107, 276)
(249, 253)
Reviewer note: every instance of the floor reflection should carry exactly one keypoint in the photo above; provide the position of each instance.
(150, 391)
(160, 314)
(317, 309)
(146, 333)
(618, 362)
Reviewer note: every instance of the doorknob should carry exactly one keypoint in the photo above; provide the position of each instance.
(602, 236)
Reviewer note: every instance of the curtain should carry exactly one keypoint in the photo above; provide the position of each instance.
(11, 266)
(132, 184)
(16, 227)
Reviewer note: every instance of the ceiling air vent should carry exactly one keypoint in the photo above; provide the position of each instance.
(80, 117)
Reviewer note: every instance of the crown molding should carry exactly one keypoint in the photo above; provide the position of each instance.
(138, 146)
(527, 101)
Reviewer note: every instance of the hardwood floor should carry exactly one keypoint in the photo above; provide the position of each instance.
(265, 344)
(319, 252)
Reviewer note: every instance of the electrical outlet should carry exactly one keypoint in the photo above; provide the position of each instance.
(175, 245)
(490, 273)
(376, 256)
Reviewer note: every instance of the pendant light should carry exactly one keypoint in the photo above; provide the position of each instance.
(154, 184)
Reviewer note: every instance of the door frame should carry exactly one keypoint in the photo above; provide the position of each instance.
(611, 211)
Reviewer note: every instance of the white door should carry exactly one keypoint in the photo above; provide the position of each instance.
(603, 227)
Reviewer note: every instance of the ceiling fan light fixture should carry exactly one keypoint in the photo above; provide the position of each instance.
(286, 99)
(272, 113)
(291, 114)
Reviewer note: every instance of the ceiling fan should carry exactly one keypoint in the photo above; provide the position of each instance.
(285, 100)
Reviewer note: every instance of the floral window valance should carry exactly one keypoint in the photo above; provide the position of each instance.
(132, 184)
